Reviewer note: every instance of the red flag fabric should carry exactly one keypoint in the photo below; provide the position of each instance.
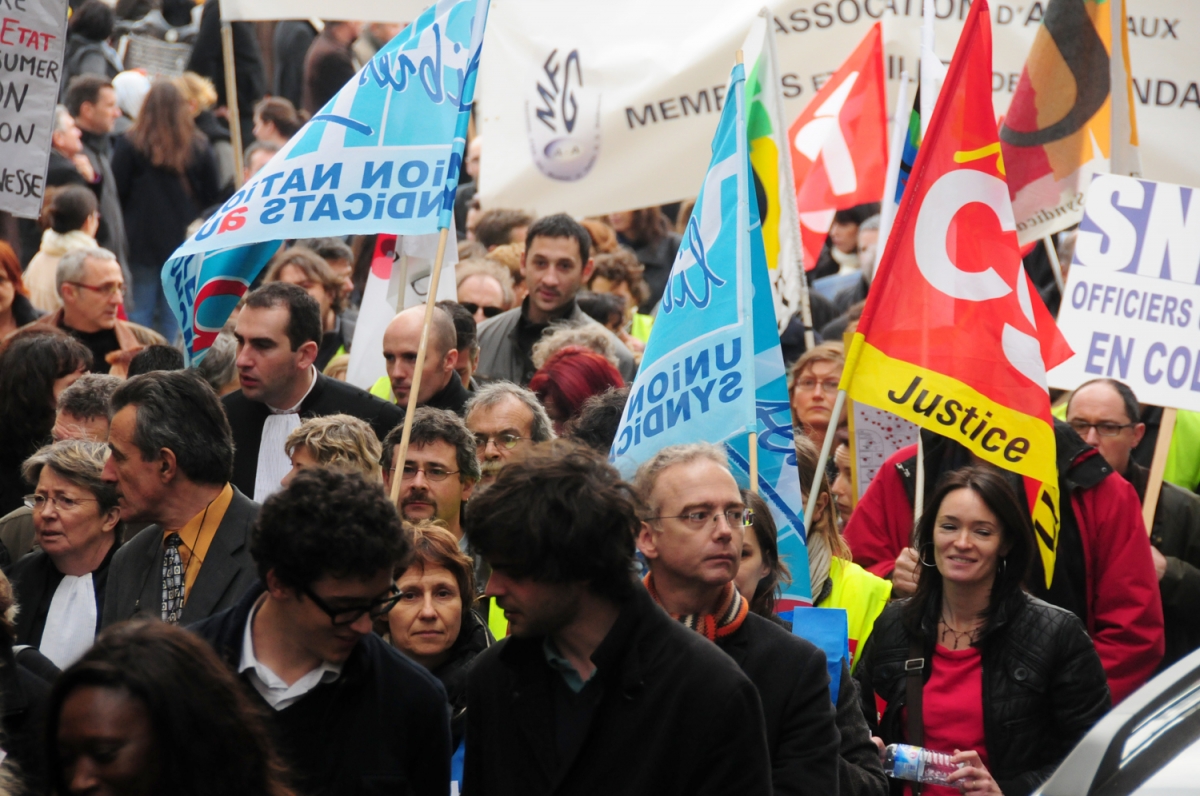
(839, 144)
(954, 337)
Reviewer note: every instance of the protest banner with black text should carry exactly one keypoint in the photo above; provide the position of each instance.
(32, 40)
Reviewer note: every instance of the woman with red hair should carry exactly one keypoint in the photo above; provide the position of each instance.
(568, 378)
(15, 309)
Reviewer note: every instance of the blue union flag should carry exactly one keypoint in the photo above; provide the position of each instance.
(383, 155)
(713, 369)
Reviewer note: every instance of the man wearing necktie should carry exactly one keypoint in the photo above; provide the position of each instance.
(171, 460)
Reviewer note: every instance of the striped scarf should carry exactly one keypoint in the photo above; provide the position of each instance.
(729, 616)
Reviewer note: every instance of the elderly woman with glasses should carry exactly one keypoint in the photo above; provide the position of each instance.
(60, 587)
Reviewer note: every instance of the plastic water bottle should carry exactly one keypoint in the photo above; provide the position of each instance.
(901, 761)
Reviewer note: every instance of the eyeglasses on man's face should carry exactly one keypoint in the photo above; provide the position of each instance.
(1104, 428)
(343, 615)
(505, 440)
(107, 290)
(701, 518)
(472, 307)
(432, 472)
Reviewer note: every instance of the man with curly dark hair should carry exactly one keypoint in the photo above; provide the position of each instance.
(349, 713)
(569, 701)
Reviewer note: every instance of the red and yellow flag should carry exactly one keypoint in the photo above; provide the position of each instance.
(839, 144)
(954, 337)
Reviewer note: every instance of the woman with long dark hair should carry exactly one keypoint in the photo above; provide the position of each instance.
(647, 232)
(973, 666)
(150, 710)
(166, 176)
(34, 369)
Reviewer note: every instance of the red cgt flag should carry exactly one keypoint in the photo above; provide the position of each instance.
(839, 144)
(954, 337)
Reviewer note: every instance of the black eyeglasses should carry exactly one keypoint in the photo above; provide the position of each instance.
(472, 307)
(348, 616)
(698, 520)
(502, 440)
(1107, 429)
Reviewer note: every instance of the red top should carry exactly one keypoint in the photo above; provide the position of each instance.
(1124, 616)
(952, 701)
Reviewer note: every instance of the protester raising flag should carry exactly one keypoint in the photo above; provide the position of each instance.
(713, 370)
(953, 337)
(383, 155)
(839, 144)
(770, 157)
(1072, 115)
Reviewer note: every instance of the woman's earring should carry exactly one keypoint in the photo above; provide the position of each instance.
(921, 556)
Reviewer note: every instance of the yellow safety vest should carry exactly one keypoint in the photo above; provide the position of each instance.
(383, 389)
(864, 597)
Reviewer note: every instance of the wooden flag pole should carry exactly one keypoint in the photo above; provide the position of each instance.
(1158, 466)
(754, 462)
(919, 492)
(1055, 265)
(430, 301)
(231, 102)
(810, 508)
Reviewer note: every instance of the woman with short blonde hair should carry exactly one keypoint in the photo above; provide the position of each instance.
(341, 442)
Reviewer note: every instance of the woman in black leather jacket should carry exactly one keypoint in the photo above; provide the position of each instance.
(1006, 682)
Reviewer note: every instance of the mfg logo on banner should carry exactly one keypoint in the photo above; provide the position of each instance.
(839, 144)
(563, 119)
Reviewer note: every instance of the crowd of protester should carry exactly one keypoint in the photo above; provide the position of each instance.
(221, 578)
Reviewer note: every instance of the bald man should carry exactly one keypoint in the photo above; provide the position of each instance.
(440, 385)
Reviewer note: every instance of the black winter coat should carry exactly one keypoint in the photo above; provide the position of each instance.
(793, 684)
(673, 715)
(159, 204)
(1043, 686)
(473, 638)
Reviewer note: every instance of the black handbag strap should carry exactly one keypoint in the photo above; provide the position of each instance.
(914, 674)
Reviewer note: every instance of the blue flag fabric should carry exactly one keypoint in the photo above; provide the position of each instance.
(713, 369)
(383, 155)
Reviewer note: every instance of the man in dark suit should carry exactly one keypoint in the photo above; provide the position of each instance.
(278, 334)
(171, 458)
(569, 702)
(692, 540)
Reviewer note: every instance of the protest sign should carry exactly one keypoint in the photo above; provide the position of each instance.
(875, 435)
(1131, 310)
(32, 39)
(646, 97)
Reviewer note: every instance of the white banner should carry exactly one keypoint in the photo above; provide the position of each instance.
(32, 39)
(1131, 310)
(361, 10)
(586, 113)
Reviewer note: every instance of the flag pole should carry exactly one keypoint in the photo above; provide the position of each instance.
(754, 462)
(1158, 466)
(231, 102)
(919, 492)
(899, 135)
(1055, 265)
(810, 508)
(430, 301)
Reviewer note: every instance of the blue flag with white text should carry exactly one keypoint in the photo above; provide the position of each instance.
(713, 369)
(383, 155)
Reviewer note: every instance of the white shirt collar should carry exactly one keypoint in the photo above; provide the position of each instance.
(294, 409)
(269, 685)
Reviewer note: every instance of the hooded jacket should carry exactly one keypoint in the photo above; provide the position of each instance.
(1103, 570)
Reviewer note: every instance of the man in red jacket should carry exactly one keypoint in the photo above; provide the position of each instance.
(1103, 571)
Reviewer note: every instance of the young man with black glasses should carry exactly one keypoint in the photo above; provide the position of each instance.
(348, 713)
